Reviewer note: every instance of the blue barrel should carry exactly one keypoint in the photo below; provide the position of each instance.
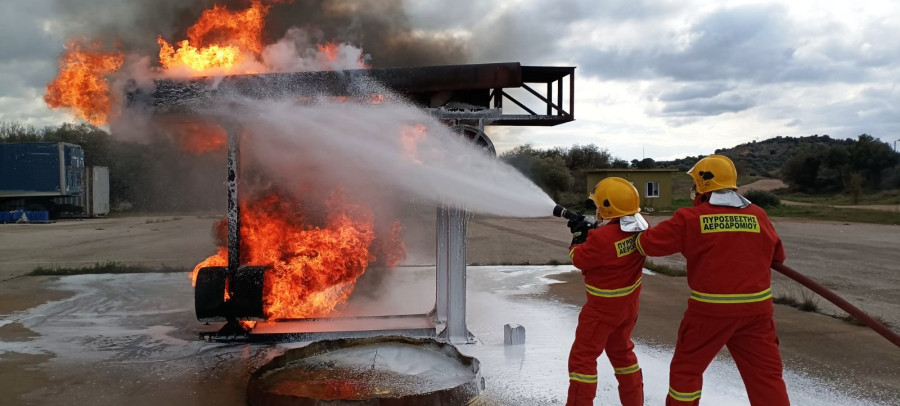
(38, 216)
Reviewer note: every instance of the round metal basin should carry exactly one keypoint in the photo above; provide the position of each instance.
(368, 371)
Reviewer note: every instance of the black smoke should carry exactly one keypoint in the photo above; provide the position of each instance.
(381, 28)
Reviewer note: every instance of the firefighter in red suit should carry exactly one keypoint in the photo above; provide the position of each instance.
(611, 265)
(729, 245)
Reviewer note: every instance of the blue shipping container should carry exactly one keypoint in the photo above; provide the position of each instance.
(41, 169)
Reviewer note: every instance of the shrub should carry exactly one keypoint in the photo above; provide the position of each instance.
(763, 198)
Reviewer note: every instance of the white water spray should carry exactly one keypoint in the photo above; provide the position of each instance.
(363, 145)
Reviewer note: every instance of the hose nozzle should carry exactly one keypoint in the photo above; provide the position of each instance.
(576, 217)
(559, 211)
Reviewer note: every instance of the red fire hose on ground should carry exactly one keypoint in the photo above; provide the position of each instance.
(839, 302)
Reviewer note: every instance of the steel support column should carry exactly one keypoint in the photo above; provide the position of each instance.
(442, 258)
(451, 274)
(234, 210)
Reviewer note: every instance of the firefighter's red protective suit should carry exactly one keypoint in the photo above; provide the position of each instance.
(729, 251)
(612, 267)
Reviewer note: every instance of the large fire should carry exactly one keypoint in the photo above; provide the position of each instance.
(313, 264)
(312, 269)
(81, 84)
(198, 137)
(220, 40)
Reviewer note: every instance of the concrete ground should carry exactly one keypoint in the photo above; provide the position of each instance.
(858, 261)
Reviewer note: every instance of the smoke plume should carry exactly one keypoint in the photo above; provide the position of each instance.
(381, 28)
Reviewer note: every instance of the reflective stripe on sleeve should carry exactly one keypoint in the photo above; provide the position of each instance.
(684, 396)
(732, 298)
(627, 370)
(612, 292)
(573, 376)
(572, 253)
(637, 243)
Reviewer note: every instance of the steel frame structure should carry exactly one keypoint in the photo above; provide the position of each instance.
(465, 97)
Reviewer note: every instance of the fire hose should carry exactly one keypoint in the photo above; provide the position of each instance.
(822, 291)
(844, 305)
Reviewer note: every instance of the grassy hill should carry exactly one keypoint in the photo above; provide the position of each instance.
(763, 158)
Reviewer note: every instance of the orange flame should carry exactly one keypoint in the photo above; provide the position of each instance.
(312, 269)
(81, 84)
(198, 137)
(330, 49)
(332, 52)
(219, 39)
(410, 137)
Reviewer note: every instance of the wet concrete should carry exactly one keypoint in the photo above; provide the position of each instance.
(131, 339)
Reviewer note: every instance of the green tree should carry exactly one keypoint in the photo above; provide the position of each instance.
(521, 157)
(646, 163)
(16, 132)
(551, 174)
(619, 164)
(855, 186)
(871, 158)
(801, 172)
(587, 157)
(94, 141)
(546, 168)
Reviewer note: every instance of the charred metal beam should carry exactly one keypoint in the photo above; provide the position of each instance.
(170, 95)
(471, 86)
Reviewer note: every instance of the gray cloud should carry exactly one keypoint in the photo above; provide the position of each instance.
(746, 43)
(690, 66)
(19, 75)
(696, 99)
(875, 111)
(712, 106)
(756, 44)
(688, 91)
(22, 29)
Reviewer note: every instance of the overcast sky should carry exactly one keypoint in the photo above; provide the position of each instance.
(654, 78)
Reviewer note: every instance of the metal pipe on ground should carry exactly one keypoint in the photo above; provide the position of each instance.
(839, 302)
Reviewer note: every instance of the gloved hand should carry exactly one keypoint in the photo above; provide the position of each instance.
(579, 231)
(577, 224)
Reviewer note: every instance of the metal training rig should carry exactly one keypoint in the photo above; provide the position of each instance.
(467, 98)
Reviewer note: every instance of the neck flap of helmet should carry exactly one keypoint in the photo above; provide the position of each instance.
(633, 223)
(728, 198)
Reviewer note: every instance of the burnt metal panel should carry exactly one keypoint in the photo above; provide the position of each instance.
(245, 291)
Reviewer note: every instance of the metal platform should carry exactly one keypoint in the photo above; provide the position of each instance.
(410, 325)
(548, 100)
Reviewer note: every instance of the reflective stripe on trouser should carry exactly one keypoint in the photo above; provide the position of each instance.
(731, 298)
(753, 345)
(607, 329)
(613, 292)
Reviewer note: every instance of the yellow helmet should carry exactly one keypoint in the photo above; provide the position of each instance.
(714, 172)
(616, 197)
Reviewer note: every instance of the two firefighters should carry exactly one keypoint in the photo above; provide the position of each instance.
(729, 245)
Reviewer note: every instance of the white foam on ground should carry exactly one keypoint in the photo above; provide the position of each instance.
(536, 373)
(142, 325)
